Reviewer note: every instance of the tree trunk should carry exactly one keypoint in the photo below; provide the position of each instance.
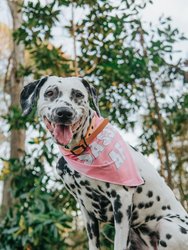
(158, 138)
(158, 114)
(163, 137)
(74, 40)
(17, 137)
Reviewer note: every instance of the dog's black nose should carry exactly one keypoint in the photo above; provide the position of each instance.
(64, 113)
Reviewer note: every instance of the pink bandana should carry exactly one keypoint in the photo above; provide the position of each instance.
(107, 158)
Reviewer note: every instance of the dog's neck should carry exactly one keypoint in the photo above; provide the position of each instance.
(82, 129)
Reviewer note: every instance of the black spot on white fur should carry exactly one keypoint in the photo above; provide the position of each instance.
(29, 95)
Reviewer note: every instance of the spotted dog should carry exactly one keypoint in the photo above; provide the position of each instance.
(146, 216)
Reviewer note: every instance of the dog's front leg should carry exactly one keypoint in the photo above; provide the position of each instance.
(92, 228)
(122, 203)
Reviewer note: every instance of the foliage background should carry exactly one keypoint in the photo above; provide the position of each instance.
(142, 87)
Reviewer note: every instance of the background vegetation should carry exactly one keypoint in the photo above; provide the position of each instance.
(141, 84)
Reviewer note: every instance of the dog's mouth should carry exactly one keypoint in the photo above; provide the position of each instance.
(62, 133)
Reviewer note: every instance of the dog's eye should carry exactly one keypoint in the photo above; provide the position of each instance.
(49, 93)
(79, 94)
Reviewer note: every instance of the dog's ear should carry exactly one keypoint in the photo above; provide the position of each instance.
(93, 95)
(29, 95)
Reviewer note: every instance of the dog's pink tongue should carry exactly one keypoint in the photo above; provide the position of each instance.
(62, 134)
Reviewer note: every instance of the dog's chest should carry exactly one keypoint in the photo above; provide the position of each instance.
(88, 193)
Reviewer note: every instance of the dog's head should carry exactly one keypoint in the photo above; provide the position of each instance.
(63, 103)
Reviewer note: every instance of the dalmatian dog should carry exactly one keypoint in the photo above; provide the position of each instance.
(145, 216)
